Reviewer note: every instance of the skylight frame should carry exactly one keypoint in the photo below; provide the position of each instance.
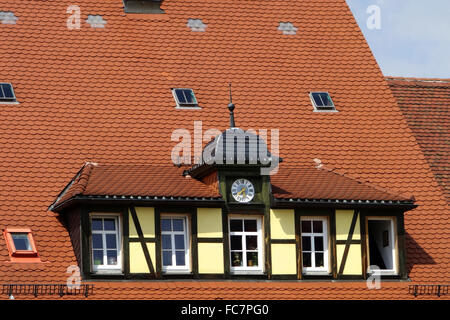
(185, 105)
(317, 108)
(3, 98)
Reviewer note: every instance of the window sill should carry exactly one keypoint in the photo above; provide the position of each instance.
(317, 273)
(176, 272)
(9, 102)
(247, 273)
(107, 272)
(188, 108)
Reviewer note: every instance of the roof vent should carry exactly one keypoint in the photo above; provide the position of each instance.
(8, 17)
(143, 6)
(196, 25)
(96, 21)
(287, 28)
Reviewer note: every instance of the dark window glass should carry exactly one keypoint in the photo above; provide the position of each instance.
(236, 225)
(109, 224)
(317, 100)
(236, 259)
(252, 259)
(166, 241)
(317, 226)
(97, 224)
(180, 96)
(306, 243)
(21, 241)
(6, 91)
(189, 94)
(179, 241)
(111, 255)
(98, 257)
(306, 226)
(111, 241)
(236, 243)
(167, 258)
(97, 241)
(319, 259)
(306, 259)
(178, 224)
(250, 225)
(166, 225)
(318, 243)
(180, 258)
(252, 242)
(326, 99)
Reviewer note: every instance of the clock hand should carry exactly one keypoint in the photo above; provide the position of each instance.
(243, 190)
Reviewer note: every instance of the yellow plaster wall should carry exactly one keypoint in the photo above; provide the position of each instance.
(138, 264)
(209, 223)
(146, 217)
(210, 258)
(343, 223)
(282, 223)
(284, 259)
(353, 265)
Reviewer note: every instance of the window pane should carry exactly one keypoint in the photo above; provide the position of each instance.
(21, 241)
(306, 226)
(318, 243)
(317, 100)
(236, 242)
(179, 241)
(7, 91)
(252, 242)
(319, 260)
(97, 241)
(111, 241)
(326, 99)
(112, 257)
(98, 257)
(250, 225)
(190, 96)
(236, 259)
(236, 225)
(178, 224)
(180, 96)
(252, 259)
(306, 259)
(166, 241)
(306, 243)
(317, 226)
(167, 258)
(180, 257)
(97, 224)
(166, 225)
(109, 224)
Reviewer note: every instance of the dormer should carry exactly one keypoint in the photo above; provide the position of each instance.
(143, 6)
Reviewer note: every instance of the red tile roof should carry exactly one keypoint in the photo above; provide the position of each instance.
(103, 95)
(426, 106)
(146, 181)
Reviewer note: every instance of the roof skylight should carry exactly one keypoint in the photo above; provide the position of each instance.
(7, 92)
(322, 101)
(184, 97)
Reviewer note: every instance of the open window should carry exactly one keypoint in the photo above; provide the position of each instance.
(382, 245)
(21, 246)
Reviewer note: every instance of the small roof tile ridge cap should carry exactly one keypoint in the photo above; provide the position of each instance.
(83, 178)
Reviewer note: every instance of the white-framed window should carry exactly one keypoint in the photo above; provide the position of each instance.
(315, 255)
(246, 244)
(185, 98)
(175, 244)
(106, 243)
(322, 102)
(382, 245)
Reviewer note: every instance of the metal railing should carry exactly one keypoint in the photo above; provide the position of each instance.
(47, 289)
(429, 289)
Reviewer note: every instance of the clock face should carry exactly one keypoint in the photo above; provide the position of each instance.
(242, 190)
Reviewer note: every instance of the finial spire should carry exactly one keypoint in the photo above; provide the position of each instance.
(231, 108)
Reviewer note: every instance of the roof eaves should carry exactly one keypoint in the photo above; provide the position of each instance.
(344, 203)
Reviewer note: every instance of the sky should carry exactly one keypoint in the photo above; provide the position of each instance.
(411, 38)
